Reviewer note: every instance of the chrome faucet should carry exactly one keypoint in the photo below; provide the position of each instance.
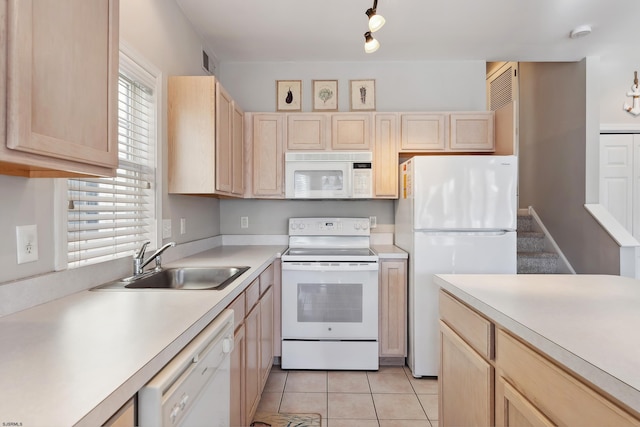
(139, 263)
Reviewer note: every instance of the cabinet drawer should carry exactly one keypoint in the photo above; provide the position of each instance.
(558, 395)
(238, 307)
(266, 279)
(253, 294)
(477, 331)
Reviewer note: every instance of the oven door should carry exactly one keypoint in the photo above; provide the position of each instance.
(330, 300)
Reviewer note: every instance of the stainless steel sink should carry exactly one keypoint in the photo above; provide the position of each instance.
(188, 278)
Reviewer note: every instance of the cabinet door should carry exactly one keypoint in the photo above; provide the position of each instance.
(423, 132)
(266, 335)
(224, 140)
(472, 131)
(252, 362)
(237, 163)
(125, 417)
(393, 308)
(268, 157)
(62, 78)
(466, 383)
(516, 410)
(238, 363)
(191, 134)
(351, 131)
(306, 131)
(385, 156)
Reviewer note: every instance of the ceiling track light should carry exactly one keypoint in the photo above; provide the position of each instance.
(375, 21)
(370, 44)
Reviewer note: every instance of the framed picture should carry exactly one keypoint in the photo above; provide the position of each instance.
(289, 95)
(363, 95)
(325, 95)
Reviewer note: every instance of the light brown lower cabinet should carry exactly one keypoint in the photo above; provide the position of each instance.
(252, 367)
(466, 377)
(125, 417)
(544, 393)
(519, 387)
(238, 411)
(252, 356)
(392, 324)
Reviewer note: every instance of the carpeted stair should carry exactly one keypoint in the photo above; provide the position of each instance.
(532, 257)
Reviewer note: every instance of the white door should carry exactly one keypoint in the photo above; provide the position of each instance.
(617, 177)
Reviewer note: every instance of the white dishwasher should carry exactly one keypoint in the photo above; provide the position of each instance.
(194, 388)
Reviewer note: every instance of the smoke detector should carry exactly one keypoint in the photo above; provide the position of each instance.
(580, 31)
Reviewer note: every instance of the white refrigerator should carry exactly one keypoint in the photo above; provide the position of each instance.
(454, 214)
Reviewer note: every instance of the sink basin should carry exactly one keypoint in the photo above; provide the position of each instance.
(187, 278)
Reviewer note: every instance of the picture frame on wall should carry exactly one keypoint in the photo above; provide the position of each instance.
(362, 95)
(289, 95)
(325, 95)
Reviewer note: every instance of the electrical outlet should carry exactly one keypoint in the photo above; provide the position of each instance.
(166, 228)
(373, 221)
(244, 222)
(27, 243)
(183, 226)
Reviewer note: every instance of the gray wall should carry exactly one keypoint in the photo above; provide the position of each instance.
(552, 162)
(270, 216)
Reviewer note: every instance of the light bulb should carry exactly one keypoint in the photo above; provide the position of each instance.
(375, 21)
(370, 44)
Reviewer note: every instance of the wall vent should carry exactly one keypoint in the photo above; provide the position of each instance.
(207, 63)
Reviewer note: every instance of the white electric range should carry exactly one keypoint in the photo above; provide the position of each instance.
(329, 295)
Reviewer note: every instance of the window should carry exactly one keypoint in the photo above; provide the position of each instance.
(109, 218)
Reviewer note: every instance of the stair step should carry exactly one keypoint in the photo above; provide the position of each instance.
(537, 262)
(530, 241)
(525, 222)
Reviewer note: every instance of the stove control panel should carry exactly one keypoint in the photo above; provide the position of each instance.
(328, 226)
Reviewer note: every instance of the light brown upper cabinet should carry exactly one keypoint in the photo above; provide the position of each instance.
(306, 132)
(266, 144)
(445, 132)
(351, 131)
(472, 131)
(61, 61)
(385, 156)
(423, 132)
(205, 150)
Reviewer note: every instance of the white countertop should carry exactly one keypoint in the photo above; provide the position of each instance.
(588, 323)
(76, 360)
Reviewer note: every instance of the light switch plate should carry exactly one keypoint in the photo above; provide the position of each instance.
(27, 243)
(183, 226)
(244, 222)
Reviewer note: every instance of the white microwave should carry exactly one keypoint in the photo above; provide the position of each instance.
(328, 175)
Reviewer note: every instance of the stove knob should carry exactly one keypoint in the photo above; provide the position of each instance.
(365, 225)
(356, 226)
(294, 225)
(302, 226)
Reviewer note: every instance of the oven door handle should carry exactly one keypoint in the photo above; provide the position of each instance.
(330, 266)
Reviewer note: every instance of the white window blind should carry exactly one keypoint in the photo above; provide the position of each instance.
(110, 217)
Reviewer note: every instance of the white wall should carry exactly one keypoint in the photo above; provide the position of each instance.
(615, 75)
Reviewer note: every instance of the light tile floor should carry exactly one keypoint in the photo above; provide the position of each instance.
(389, 397)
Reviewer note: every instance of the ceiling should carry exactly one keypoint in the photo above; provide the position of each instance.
(491, 30)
